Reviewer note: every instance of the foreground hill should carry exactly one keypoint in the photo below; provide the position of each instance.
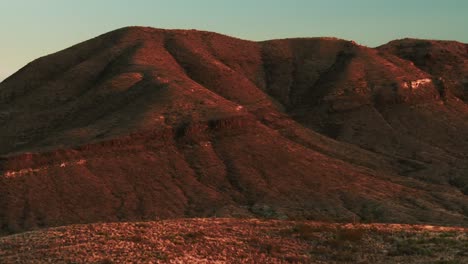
(143, 123)
(237, 241)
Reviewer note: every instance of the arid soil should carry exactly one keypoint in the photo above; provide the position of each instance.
(237, 241)
(145, 124)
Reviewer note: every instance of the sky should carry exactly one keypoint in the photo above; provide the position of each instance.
(33, 28)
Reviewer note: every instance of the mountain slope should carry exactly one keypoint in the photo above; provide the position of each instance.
(143, 123)
(445, 60)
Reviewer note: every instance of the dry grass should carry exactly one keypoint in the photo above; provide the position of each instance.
(237, 241)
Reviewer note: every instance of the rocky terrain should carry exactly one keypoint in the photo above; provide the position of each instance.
(145, 124)
(237, 241)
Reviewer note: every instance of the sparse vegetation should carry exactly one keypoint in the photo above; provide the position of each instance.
(410, 247)
(238, 241)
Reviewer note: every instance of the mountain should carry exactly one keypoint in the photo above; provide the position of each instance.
(144, 123)
(447, 61)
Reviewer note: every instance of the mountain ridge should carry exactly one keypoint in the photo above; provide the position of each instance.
(144, 123)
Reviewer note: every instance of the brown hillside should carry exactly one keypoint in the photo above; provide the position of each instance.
(445, 60)
(143, 123)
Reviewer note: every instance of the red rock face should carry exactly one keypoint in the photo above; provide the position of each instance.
(447, 61)
(143, 123)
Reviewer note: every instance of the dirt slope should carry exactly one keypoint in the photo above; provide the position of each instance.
(143, 123)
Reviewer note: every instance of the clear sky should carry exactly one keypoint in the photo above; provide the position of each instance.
(33, 28)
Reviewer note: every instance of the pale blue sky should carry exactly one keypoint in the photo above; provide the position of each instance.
(33, 28)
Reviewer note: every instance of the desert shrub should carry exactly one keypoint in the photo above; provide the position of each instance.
(448, 234)
(296, 259)
(464, 210)
(461, 183)
(136, 239)
(410, 247)
(458, 182)
(464, 190)
(345, 256)
(106, 261)
(307, 232)
(321, 250)
(447, 262)
(161, 256)
(345, 239)
(351, 235)
(143, 225)
(193, 235)
(263, 246)
(371, 212)
(462, 250)
(443, 241)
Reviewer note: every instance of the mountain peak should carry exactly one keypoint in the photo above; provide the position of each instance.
(144, 123)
